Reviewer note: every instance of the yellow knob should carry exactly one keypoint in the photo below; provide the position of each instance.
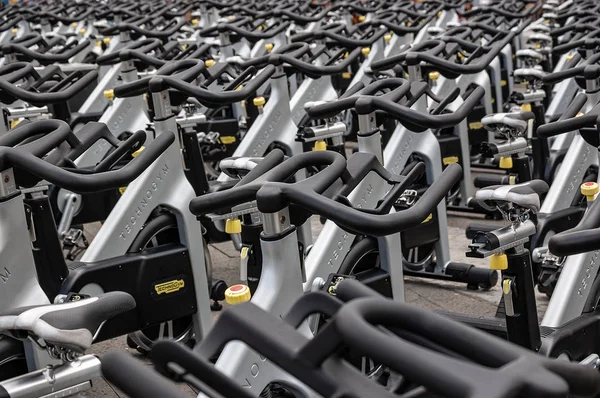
(366, 51)
(209, 62)
(526, 108)
(506, 162)
(320, 146)
(82, 31)
(259, 101)
(346, 75)
(589, 190)
(237, 294)
(450, 160)
(15, 123)
(498, 262)
(106, 40)
(387, 37)
(361, 18)
(233, 226)
(269, 47)
(228, 139)
(122, 190)
(195, 22)
(230, 17)
(74, 25)
(109, 94)
(98, 43)
(434, 75)
(569, 57)
(14, 31)
(133, 155)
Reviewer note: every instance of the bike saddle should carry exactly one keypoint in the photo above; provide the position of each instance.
(501, 121)
(72, 325)
(525, 74)
(526, 194)
(530, 54)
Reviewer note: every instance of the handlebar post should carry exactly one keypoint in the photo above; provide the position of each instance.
(414, 73)
(10, 58)
(164, 118)
(128, 71)
(369, 137)
(226, 49)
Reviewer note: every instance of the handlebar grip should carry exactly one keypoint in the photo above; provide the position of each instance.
(585, 237)
(53, 132)
(159, 83)
(46, 57)
(556, 77)
(321, 70)
(84, 183)
(126, 373)
(356, 221)
(409, 116)
(168, 351)
(183, 71)
(576, 242)
(53, 97)
(564, 126)
(272, 159)
(247, 192)
(144, 46)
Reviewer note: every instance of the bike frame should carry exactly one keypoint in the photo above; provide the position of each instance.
(163, 184)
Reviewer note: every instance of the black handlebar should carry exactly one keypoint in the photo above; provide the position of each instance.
(64, 90)
(585, 237)
(121, 368)
(209, 97)
(568, 121)
(26, 158)
(183, 70)
(245, 191)
(46, 58)
(273, 196)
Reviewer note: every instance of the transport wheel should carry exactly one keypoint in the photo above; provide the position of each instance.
(159, 231)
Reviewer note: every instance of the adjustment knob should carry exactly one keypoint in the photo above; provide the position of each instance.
(233, 226)
(498, 262)
(237, 294)
(589, 190)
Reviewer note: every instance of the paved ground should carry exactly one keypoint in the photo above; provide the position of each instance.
(431, 294)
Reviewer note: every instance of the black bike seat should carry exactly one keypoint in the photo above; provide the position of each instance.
(70, 325)
(526, 194)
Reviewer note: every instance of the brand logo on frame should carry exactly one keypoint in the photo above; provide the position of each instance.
(169, 287)
(145, 202)
(266, 134)
(4, 275)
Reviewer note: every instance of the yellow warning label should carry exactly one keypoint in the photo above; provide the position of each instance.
(450, 160)
(169, 287)
(475, 125)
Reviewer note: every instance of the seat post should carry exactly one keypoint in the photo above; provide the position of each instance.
(518, 295)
